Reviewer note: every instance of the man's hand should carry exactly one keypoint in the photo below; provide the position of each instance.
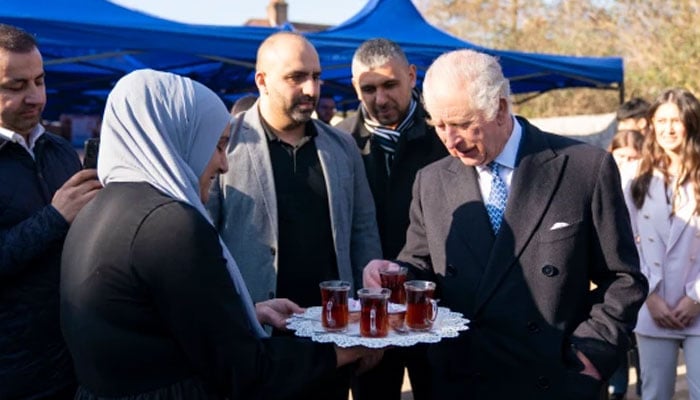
(70, 198)
(370, 275)
(588, 367)
(686, 311)
(275, 312)
(662, 314)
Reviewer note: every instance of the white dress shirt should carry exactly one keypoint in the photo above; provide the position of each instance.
(12, 136)
(506, 159)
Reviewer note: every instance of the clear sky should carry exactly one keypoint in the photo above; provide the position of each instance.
(236, 12)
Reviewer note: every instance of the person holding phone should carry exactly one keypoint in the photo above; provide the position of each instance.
(42, 188)
(92, 149)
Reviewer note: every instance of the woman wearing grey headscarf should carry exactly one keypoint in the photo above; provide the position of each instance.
(152, 305)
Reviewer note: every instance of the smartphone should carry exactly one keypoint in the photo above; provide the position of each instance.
(92, 148)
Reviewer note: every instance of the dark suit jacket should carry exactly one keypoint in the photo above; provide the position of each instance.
(417, 147)
(527, 290)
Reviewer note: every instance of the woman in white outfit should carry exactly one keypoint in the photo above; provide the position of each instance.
(663, 197)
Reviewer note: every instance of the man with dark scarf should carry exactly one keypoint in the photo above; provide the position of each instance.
(395, 141)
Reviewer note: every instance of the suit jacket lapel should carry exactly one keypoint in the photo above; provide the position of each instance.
(655, 212)
(475, 222)
(331, 173)
(254, 139)
(682, 218)
(535, 179)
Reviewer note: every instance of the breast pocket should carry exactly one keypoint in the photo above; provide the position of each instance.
(556, 234)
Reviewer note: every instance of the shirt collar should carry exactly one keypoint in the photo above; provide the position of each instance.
(309, 131)
(15, 137)
(508, 155)
(510, 150)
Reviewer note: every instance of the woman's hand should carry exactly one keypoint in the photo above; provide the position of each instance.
(686, 311)
(662, 314)
(275, 312)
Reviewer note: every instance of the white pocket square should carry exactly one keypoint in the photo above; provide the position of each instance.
(558, 225)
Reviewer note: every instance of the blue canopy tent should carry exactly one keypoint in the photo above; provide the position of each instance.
(89, 44)
(400, 21)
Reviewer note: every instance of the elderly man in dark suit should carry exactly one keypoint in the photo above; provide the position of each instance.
(513, 229)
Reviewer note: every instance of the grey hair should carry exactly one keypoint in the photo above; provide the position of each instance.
(375, 53)
(16, 40)
(479, 74)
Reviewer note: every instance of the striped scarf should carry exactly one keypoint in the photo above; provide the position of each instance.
(388, 138)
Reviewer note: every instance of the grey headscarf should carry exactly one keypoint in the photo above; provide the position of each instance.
(162, 128)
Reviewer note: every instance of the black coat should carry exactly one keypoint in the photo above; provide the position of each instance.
(527, 290)
(148, 308)
(33, 357)
(417, 147)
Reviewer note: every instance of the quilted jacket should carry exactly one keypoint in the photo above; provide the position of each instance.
(34, 360)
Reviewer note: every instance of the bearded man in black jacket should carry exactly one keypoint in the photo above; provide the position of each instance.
(395, 141)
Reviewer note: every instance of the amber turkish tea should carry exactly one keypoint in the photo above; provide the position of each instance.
(394, 280)
(374, 312)
(421, 308)
(334, 303)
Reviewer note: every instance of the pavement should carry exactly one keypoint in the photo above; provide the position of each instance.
(681, 383)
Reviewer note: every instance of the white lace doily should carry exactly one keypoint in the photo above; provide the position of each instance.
(447, 324)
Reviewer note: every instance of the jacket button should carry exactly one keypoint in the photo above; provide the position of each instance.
(543, 383)
(271, 295)
(550, 270)
(273, 251)
(451, 270)
(532, 327)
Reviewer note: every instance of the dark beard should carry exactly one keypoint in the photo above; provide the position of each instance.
(301, 117)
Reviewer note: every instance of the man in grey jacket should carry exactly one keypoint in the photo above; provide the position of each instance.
(294, 208)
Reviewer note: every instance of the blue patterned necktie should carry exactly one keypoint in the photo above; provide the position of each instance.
(496, 203)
